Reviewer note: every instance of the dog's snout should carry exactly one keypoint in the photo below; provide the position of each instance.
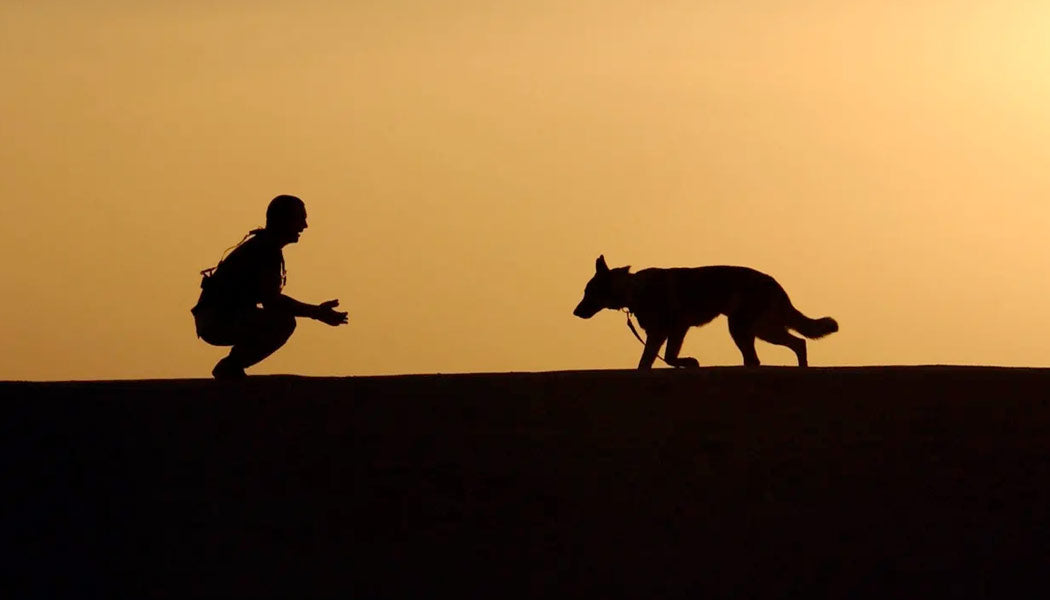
(583, 311)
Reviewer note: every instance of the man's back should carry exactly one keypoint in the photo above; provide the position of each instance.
(251, 273)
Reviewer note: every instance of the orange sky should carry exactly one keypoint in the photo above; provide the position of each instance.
(463, 163)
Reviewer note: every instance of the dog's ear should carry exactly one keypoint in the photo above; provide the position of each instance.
(600, 266)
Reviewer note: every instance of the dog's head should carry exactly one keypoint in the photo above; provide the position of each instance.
(607, 289)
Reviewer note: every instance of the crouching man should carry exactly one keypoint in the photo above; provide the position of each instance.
(241, 303)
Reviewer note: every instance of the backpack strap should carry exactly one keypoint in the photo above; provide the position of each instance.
(206, 273)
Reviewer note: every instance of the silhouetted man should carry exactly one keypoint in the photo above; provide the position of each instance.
(229, 313)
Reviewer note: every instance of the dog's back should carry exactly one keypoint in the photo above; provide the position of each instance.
(696, 295)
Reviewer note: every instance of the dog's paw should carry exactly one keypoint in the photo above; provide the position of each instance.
(688, 362)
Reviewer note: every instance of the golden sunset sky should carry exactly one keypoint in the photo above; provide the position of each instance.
(464, 162)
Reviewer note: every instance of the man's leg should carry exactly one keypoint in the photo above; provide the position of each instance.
(260, 333)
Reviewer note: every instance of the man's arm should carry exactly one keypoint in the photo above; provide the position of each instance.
(323, 312)
(288, 304)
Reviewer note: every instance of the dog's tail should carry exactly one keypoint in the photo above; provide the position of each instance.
(812, 328)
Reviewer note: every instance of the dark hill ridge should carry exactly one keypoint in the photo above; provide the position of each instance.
(769, 482)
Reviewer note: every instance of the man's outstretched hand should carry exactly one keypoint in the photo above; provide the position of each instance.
(326, 313)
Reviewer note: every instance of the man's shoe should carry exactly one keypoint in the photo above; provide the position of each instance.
(224, 369)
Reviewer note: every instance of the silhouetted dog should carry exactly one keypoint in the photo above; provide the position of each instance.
(668, 302)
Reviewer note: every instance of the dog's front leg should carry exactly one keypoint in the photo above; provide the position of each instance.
(653, 341)
(674, 346)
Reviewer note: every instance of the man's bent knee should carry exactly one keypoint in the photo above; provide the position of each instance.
(283, 325)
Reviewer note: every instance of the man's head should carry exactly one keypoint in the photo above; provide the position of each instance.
(607, 289)
(286, 218)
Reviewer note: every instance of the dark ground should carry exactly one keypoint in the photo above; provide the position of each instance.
(721, 482)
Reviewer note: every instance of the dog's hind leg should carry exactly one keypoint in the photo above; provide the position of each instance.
(674, 346)
(653, 341)
(781, 337)
(742, 330)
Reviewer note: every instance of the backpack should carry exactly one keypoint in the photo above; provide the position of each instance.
(206, 274)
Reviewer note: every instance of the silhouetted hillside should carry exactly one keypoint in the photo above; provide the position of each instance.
(769, 482)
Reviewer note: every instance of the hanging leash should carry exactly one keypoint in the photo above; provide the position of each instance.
(630, 325)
